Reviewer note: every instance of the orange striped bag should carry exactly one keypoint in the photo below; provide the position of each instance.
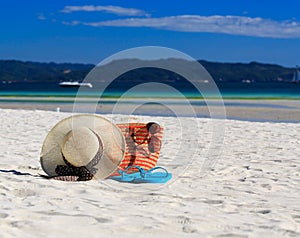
(143, 143)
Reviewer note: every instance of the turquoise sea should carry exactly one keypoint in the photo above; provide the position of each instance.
(276, 90)
(49, 96)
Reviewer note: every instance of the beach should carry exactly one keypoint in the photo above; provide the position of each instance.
(136, 119)
(282, 110)
(231, 178)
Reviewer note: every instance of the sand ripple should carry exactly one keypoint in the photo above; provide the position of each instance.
(249, 186)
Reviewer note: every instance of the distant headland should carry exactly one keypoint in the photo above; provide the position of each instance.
(20, 71)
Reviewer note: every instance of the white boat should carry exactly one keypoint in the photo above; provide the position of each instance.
(75, 84)
(296, 77)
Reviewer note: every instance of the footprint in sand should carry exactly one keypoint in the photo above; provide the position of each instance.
(3, 215)
(24, 192)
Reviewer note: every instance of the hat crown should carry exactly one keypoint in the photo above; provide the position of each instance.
(79, 146)
(91, 136)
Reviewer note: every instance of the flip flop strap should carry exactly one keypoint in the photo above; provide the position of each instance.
(156, 168)
(124, 172)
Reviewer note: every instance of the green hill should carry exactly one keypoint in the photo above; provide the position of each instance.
(19, 71)
(254, 72)
(16, 71)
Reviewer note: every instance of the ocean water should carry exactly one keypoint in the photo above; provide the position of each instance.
(277, 90)
(49, 96)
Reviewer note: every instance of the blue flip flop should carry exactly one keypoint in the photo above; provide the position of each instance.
(125, 176)
(153, 177)
(143, 176)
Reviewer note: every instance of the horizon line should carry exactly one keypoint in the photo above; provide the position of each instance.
(209, 61)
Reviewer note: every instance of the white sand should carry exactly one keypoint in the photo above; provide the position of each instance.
(243, 185)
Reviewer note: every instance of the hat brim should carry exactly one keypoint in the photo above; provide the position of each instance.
(111, 136)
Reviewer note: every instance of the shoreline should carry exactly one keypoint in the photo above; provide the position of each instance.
(72, 97)
(261, 110)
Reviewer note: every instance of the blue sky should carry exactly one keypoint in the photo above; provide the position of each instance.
(91, 30)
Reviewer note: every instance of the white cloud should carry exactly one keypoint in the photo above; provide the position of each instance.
(41, 17)
(234, 25)
(72, 23)
(109, 9)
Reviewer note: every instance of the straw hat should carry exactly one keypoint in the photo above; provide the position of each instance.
(77, 140)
